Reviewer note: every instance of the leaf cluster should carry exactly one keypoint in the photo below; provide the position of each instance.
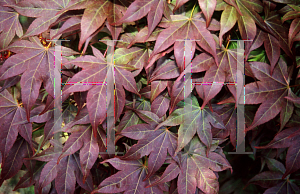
(160, 147)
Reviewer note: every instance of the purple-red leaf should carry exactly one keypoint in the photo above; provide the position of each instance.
(14, 160)
(156, 143)
(128, 179)
(292, 159)
(66, 180)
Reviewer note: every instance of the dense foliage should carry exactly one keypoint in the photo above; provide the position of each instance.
(162, 152)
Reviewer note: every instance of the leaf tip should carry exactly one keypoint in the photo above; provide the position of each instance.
(285, 175)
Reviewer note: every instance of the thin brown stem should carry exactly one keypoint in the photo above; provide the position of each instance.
(38, 128)
(294, 85)
(70, 35)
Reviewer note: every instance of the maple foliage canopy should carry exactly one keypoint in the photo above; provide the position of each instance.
(141, 79)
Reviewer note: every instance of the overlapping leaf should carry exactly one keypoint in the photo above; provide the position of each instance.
(292, 14)
(216, 76)
(196, 169)
(65, 173)
(46, 12)
(83, 139)
(270, 91)
(129, 179)
(279, 31)
(154, 98)
(156, 143)
(273, 179)
(97, 12)
(182, 28)
(130, 117)
(11, 114)
(160, 105)
(271, 45)
(155, 9)
(97, 71)
(287, 138)
(198, 120)
(245, 13)
(14, 160)
(9, 25)
(208, 8)
(35, 63)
